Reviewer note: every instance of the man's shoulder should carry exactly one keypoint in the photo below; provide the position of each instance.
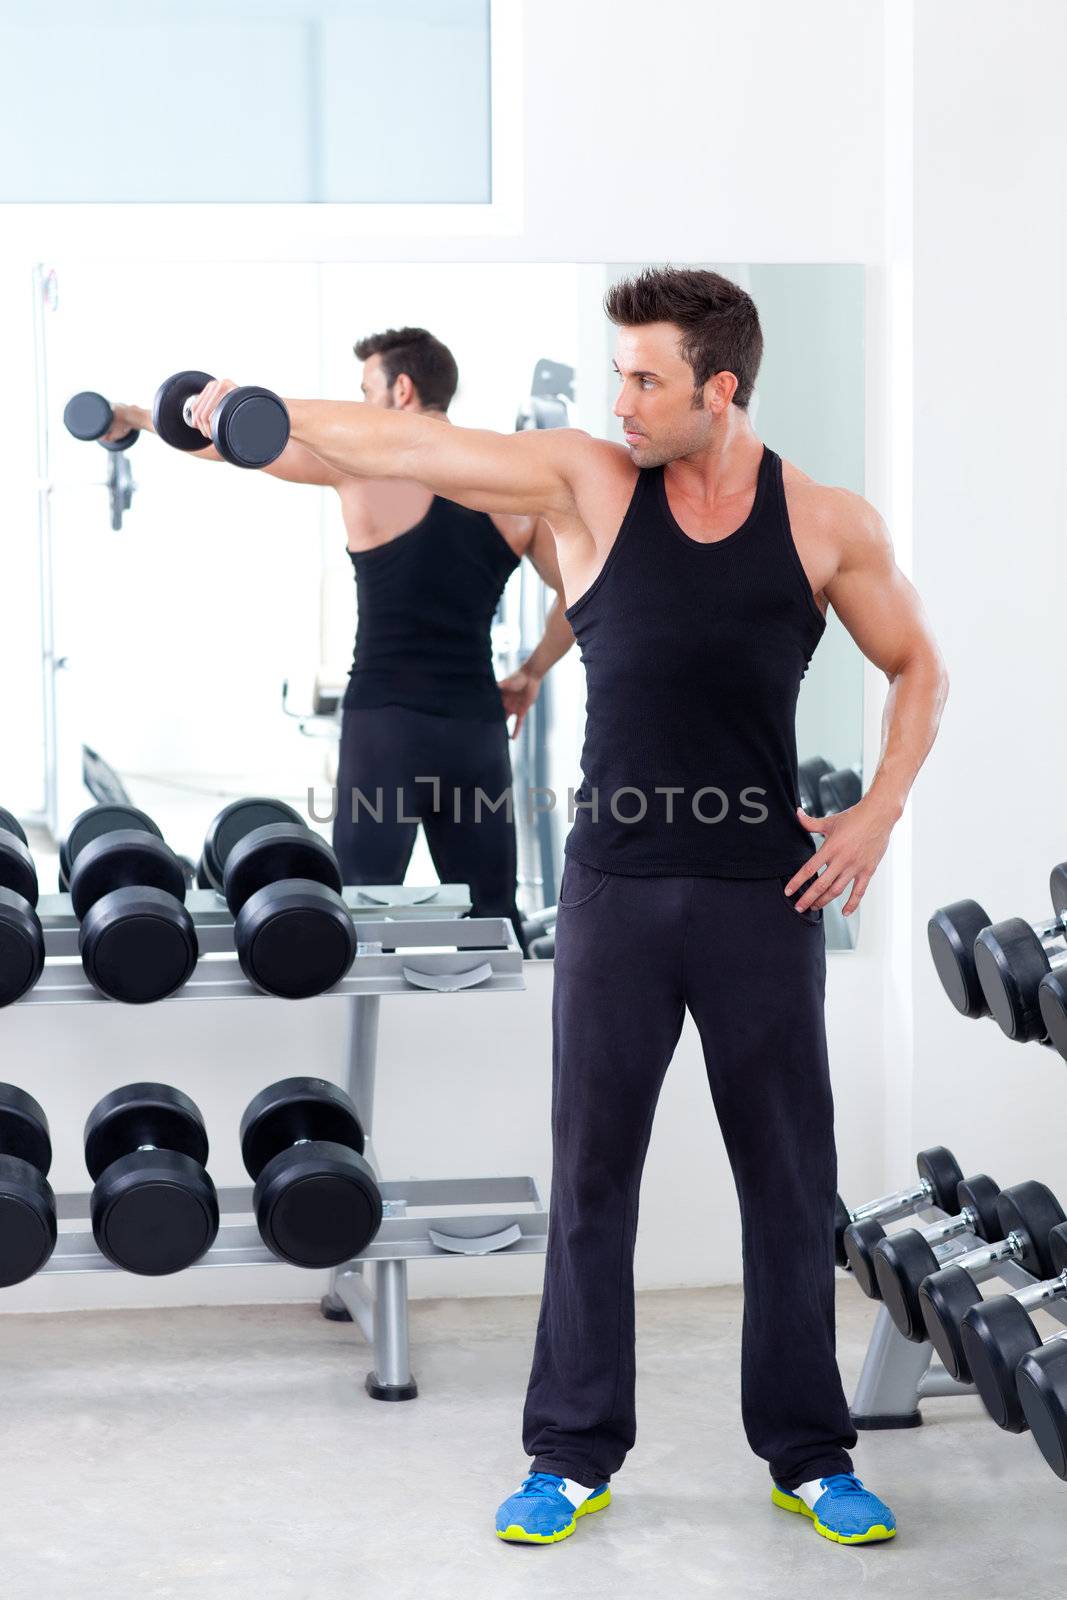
(827, 507)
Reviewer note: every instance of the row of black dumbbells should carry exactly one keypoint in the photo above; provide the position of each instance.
(1014, 971)
(154, 1209)
(931, 1290)
(281, 881)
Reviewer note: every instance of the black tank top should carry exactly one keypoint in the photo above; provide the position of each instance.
(694, 654)
(426, 601)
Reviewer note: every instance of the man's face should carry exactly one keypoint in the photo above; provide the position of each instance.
(375, 388)
(655, 402)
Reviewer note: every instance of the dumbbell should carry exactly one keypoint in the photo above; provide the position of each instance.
(997, 1333)
(973, 1211)
(316, 1199)
(127, 888)
(249, 427)
(27, 1204)
(88, 416)
(93, 822)
(1027, 1216)
(21, 934)
(294, 934)
(939, 1174)
(154, 1209)
(1013, 957)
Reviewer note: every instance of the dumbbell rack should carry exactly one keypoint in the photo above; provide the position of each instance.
(449, 952)
(897, 1374)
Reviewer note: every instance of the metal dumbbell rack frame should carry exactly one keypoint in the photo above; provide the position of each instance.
(897, 1374)
(448, 953)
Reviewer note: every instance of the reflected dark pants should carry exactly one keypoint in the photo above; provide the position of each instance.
(390, 748)
(631, 955)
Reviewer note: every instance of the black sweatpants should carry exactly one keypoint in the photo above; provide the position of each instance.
(631, 955)
(390, 748)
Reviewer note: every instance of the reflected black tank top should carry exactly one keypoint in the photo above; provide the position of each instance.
(694, 654)
(426, 601)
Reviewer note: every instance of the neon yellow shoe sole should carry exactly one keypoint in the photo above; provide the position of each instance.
(516, 1535)
(791, 1502)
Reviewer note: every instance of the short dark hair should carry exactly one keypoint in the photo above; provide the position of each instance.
(718, 320)
(429, 364)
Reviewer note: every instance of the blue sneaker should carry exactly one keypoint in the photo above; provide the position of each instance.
(543, 1511)
(841, 1509)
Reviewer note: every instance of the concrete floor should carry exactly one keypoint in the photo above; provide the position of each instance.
(232, 1452)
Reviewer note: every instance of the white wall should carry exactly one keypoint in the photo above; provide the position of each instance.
(990, 552)
(719, 132)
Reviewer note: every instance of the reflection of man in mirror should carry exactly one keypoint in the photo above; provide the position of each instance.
(699, 567)
(424, 720)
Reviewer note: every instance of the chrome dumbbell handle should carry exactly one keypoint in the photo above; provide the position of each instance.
(898, 1204)
(987, 1255)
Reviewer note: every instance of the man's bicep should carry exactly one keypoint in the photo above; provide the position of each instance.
(877, 604)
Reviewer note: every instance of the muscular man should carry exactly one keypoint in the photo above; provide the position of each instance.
(699, 568)
(424, 719)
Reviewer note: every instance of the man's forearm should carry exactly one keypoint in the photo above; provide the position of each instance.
(910, 721)
(554, 642)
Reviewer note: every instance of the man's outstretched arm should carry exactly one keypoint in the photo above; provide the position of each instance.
(520, 472)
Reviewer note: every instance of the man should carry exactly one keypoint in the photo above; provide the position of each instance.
(699, 568)
(423, 719)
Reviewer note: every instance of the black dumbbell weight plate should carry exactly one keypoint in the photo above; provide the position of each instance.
(154, 1212)
(1041, 1379)
(951, 933)
(995, 1336)
(318, 1205)
(1052, 1001)
(143, 1113)
(250, 427)
(27, 1204)
(233, 823)
(295, 939)
(9, 823)
(901, 1262)
(91, 824)
(271, 854)
(138, 945)
(1032, 1209)
(1010, 961)
(980, 1193)
(940, 1169)
(17, 871)
(292, 1109)
(860, 1240)
(945, 1298)
(167, 418)
(27, 1221)
(22, 952)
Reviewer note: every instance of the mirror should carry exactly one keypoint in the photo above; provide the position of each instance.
(199, 621)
